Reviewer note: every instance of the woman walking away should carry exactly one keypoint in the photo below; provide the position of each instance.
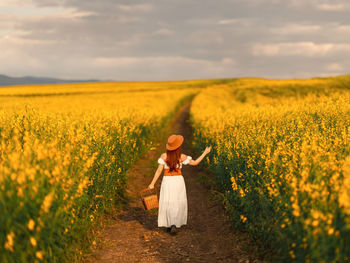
(172, 211)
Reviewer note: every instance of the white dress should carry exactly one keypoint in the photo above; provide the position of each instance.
(172, 199)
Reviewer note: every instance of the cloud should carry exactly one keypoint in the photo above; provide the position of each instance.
(227, 61)
(334, 67)
(139, 39)
(166, 67)
(6, 22)
(308, 49)
(307, 6)
(229, 21)
(163, 32)
(206, 37)
(144, 68)
(322, 5)
(296, 29)
(333, 7)
(135, 8)
(15, 59)
(343, 29)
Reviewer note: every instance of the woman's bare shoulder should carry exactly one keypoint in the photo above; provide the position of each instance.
(163, 156)
(183, 157)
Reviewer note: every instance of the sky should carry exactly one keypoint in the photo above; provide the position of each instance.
(174, 39)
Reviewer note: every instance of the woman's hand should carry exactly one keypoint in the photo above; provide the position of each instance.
(207, 150)
(151, 186)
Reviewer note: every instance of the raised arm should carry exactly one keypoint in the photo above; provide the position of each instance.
(156, 175)
(200, 158)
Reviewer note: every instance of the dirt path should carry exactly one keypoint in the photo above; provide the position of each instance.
(133, 235)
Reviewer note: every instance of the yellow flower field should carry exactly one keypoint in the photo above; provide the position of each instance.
(282, 157)
(64, 152)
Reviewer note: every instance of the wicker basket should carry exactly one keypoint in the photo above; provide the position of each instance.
(149, 198)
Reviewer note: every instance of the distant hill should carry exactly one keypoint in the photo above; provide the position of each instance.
(10, 81)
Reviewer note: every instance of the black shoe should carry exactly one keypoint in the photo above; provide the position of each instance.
(173, 230)
(168, 229)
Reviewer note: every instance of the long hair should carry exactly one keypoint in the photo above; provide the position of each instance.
(173, 158)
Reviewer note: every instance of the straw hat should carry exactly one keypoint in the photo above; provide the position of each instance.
(174, 142)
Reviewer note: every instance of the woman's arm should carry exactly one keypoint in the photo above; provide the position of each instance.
(200, 158)
(156, 176)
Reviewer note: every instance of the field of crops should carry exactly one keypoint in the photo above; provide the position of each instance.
(64, 152)
(281, 156)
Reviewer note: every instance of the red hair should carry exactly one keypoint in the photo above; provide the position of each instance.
(173, 159)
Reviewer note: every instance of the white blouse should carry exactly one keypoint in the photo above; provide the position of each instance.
(186, 161)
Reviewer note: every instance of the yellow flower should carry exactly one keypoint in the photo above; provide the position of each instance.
(243, 218)
(9, 243)
(31, 225)
(344, 195)
(234, 184)
(241, 192)
(47, 203)
(39, 255)
(330, 231)
(33, 241)
(291, 253)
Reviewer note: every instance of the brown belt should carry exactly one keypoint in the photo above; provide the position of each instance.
(172, 173)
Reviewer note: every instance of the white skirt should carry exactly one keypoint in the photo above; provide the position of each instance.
(172, 202)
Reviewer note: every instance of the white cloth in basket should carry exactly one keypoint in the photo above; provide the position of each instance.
(172, 199)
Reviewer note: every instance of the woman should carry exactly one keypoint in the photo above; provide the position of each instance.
(172, 211)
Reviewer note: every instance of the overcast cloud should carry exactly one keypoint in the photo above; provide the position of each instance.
(168, 40)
